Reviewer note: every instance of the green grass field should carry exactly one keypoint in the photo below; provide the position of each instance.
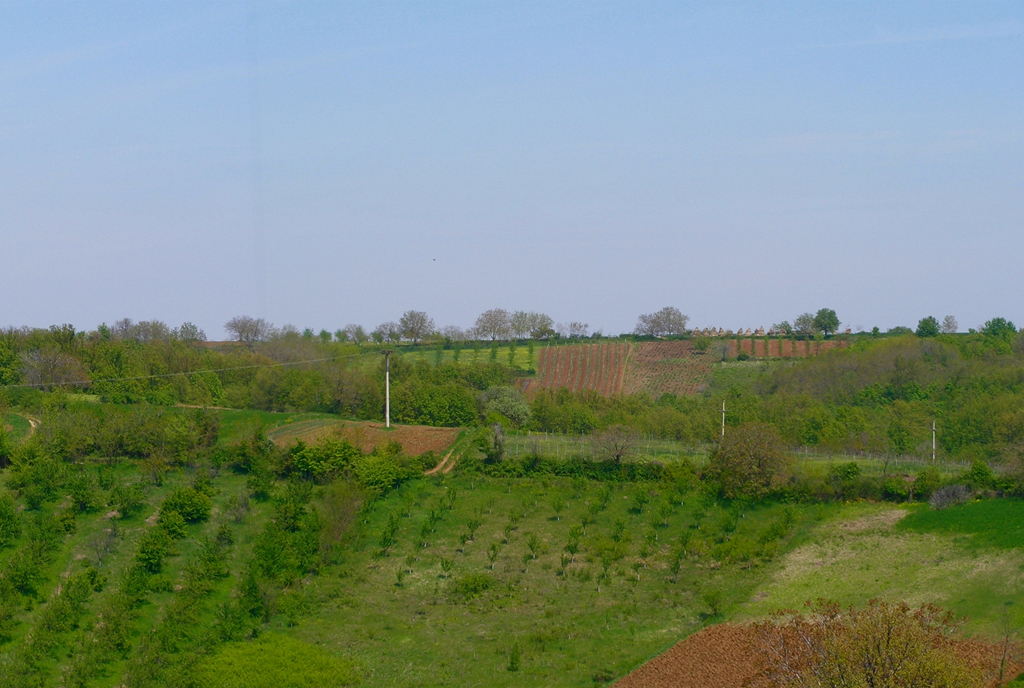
(407, 620)
(235, 423)
(17, 425)
(481, 586)
(912, 554)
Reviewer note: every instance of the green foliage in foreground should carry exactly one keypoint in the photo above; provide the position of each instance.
(991, 522)
(275, 661)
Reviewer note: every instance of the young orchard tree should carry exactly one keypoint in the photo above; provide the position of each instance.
(616, 443)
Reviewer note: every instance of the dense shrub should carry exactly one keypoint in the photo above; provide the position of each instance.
(507, 402)
(127, 498)
(10, 521)
(325, 458)
(749, 461)
(881, 645)
(193, 505)
(378, 474)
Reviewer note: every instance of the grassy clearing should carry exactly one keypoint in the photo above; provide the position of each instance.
(870, 553)
(984, 523)
(234, 423)
(18, 426)
(276, 661)
(729, 375)
(562, 446)
(436, 611)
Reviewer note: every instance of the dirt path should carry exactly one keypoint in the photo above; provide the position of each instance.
(33, 423)
(441, 465)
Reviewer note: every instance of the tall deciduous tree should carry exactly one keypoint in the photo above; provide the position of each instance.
(189, 333)
(999, 327)
(493, 324)
(950, 325)
(357, 334)
(48, 368)
(826, 321)
(389, 331)
(667, 321)
(248, 330)
(927, 327)
(804, 324)
(415, 325)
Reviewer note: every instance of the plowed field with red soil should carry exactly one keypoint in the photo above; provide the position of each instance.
(599, 367)
(415, 439)
(667, 368)
(725, 656)
(718, 657)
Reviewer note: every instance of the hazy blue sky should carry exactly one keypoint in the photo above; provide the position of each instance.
(327, 163)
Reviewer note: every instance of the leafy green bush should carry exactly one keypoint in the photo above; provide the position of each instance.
(193, 505)
(472, 585)
(173, 524)
(927, 481)
(152, 549)
(378, 474)
(980, 476)
(326, 457)
(275, 661)
(749, 461)
(896, 487)
(127, 498)
(509, 402)
(10, 521)
(844, 472)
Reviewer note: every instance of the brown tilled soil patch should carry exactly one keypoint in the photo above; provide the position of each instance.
(667, 368)
(883, 520)
(415, 439)
(725, 656)
(599, 367)
(717, 657)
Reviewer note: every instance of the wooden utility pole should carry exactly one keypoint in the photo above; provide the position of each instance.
(387, 387)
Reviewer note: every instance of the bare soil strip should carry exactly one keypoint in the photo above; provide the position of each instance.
(725, 656)
(440, 465)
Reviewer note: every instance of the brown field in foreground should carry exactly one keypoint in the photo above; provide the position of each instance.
(725, 656)
(415, 439)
